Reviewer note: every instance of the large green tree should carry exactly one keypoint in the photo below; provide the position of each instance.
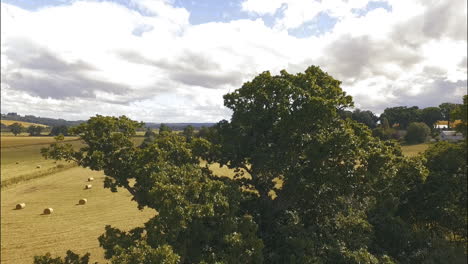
(309, 186)
(199, 217)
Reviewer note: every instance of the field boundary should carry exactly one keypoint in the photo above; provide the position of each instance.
(31, 176)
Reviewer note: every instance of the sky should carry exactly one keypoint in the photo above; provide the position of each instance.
(173, 60)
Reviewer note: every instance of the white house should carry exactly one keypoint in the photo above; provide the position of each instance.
(451, 136)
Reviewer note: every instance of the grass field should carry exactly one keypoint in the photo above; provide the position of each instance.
(25, 124)
(413, 150)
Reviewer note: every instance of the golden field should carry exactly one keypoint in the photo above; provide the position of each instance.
(25, 124)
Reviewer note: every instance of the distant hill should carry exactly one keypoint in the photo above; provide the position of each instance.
(14, 117)
(24, 124)
(180, 126)
(40, 120)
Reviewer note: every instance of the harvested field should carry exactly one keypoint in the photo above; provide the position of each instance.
(27, 232)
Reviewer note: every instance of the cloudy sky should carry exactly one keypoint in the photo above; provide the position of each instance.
(172, 60)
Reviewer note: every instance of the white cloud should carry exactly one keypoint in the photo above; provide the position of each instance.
(149, 62)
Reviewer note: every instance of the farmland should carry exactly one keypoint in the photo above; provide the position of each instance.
(26, 232)
(24, 124)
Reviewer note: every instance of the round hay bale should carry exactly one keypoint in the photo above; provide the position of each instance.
(48, 211)
(20, 206)
(83, 201)
(88, 186)
(17, 162)
(90, 179)
(38, 166)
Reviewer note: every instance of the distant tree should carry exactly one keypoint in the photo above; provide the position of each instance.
(366, 117)
(417, 133)
(164, 128)
(57, 130)
(401, 115)
(385, 132)
(460, 113)
(345, 114)
(34, 130)
(430, 115)
(385, 124)
(150, 136)
(203, 132)
(446, 110)
(16, 128)
(188, 133)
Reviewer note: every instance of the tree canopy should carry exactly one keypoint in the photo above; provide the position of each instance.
(430, 115)
(57, 130)
(401, 115)
(309, 186)
(35, 130)
(16, 128)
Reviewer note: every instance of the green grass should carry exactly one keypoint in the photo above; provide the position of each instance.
(414, 150)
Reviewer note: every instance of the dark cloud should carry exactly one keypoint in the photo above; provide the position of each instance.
(37, 71)
(433, 94)
(190, 68)
(442, 19)
(355, 58)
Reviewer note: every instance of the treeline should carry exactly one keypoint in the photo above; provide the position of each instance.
(179, 126)
(41, 120)
(410, 123)
(402, 116)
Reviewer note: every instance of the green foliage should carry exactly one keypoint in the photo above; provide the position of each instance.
(199, 215)
(431, 115)
(401, 115)
(35, 130)
(206, 132)
(446, 110)
(71, 258)
(150, 136)
(417, 133)
(188, 133)
(16, 128)
(461, 112)
(366, 117)
(163, 128)
(57, 130)
(345, 196)
(385, 134)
